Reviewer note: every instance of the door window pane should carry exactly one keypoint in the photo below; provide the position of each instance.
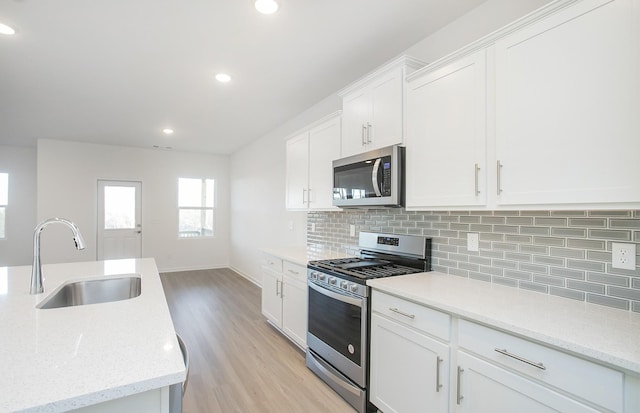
(119, 207)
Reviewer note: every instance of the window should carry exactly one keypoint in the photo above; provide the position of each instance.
(4, 201)
(195, 207)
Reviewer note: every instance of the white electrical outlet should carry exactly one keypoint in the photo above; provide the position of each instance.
(623, 256)
(313, 227)
(352, 230)
(473, 243)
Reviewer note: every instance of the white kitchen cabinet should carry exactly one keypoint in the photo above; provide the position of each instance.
(568, 105)
(284, 297)
(446, 135)
(309, 172)
(372, 108)
(409, 363)
(484, 387)
(500, 371)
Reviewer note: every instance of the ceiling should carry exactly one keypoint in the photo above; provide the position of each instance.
(119, 71)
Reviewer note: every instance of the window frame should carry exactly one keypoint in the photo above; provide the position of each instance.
(203, 209)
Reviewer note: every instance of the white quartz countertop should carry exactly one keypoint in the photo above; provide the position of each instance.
(300, 255)
(604, 334)
(59, 359)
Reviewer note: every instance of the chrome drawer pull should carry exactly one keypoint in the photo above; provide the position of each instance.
(438, 385)
(522, 359)
(294, 272)
(402, 313)
(459, 395)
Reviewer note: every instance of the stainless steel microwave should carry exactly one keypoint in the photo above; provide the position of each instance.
(371, 179)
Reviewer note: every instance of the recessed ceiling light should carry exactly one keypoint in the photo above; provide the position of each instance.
(4, 29)
(167, 131)
(266, 6)
(223, 77)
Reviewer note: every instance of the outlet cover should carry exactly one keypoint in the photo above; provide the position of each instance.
(623, 256)
(473, 243)
(313, 227)
(352, 230)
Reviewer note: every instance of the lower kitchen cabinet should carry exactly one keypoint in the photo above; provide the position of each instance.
(409, 356)
(425, 359)
(284, 297)
(409, 370)
(485, 387)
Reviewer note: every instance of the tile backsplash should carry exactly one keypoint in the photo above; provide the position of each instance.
(564, 253)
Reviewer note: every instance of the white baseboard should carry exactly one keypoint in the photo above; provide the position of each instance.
(196, 268)
(248, 277)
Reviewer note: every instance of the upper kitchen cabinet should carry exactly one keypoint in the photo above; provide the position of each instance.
(309, 176)
(446, 134)
(567, 113)
(372, 108)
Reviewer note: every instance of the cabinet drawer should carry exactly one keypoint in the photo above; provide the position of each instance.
(295, 271)
(590, 381)
(430, 321)
(272, 262)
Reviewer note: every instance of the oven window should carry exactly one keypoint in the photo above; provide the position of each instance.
(336, 323)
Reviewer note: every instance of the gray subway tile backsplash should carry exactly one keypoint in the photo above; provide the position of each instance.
(562, 253)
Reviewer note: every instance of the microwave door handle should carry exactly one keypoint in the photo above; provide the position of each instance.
(374, 177)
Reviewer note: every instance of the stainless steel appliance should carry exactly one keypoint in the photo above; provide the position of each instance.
(371, 179)
(339, 311)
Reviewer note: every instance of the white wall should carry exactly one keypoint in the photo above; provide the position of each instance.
(20, 164)
(67, 187)
(259, 218)
(257, 171)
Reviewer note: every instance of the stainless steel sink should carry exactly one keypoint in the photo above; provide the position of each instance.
(94, 291)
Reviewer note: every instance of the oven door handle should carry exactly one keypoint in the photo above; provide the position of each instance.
(340, 297)
(374, 177)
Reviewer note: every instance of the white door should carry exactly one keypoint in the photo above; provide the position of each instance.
(119, 220)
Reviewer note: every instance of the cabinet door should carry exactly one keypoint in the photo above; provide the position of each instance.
(485, 387)
(409, 370)
(294, 310)
(356, 108)
(567, 105)
(271, 300)
(446, 135)
(324, 148)
(297, 172)
(385, 122)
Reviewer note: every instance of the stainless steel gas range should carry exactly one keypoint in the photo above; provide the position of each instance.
(339, 310)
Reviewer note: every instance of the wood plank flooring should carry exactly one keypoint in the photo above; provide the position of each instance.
(239, 363)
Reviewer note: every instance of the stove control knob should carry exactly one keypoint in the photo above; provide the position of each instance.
(353, 288)
(321, 276)
(313, 275)
(343, 285)
(332, 280)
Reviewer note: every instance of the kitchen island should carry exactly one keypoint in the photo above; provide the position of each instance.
(99, 357)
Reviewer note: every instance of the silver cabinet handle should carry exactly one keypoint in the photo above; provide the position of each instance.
(402, 313)
(293, 272)
(304, 191)
(459, 395)
(438, 385)
(364, 129)
(368, 132)
(498, 174)
(477, 188)
(522, 359)
(277, 287)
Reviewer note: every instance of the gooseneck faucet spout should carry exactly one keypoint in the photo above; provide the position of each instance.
(37, 286)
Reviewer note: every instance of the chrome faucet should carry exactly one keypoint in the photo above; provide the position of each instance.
(37, 286)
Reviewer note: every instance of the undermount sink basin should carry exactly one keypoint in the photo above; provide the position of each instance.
(94, 291)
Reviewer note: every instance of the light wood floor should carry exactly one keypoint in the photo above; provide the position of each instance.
(239, 363)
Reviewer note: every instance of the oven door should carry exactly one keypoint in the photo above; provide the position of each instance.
(337, 330)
